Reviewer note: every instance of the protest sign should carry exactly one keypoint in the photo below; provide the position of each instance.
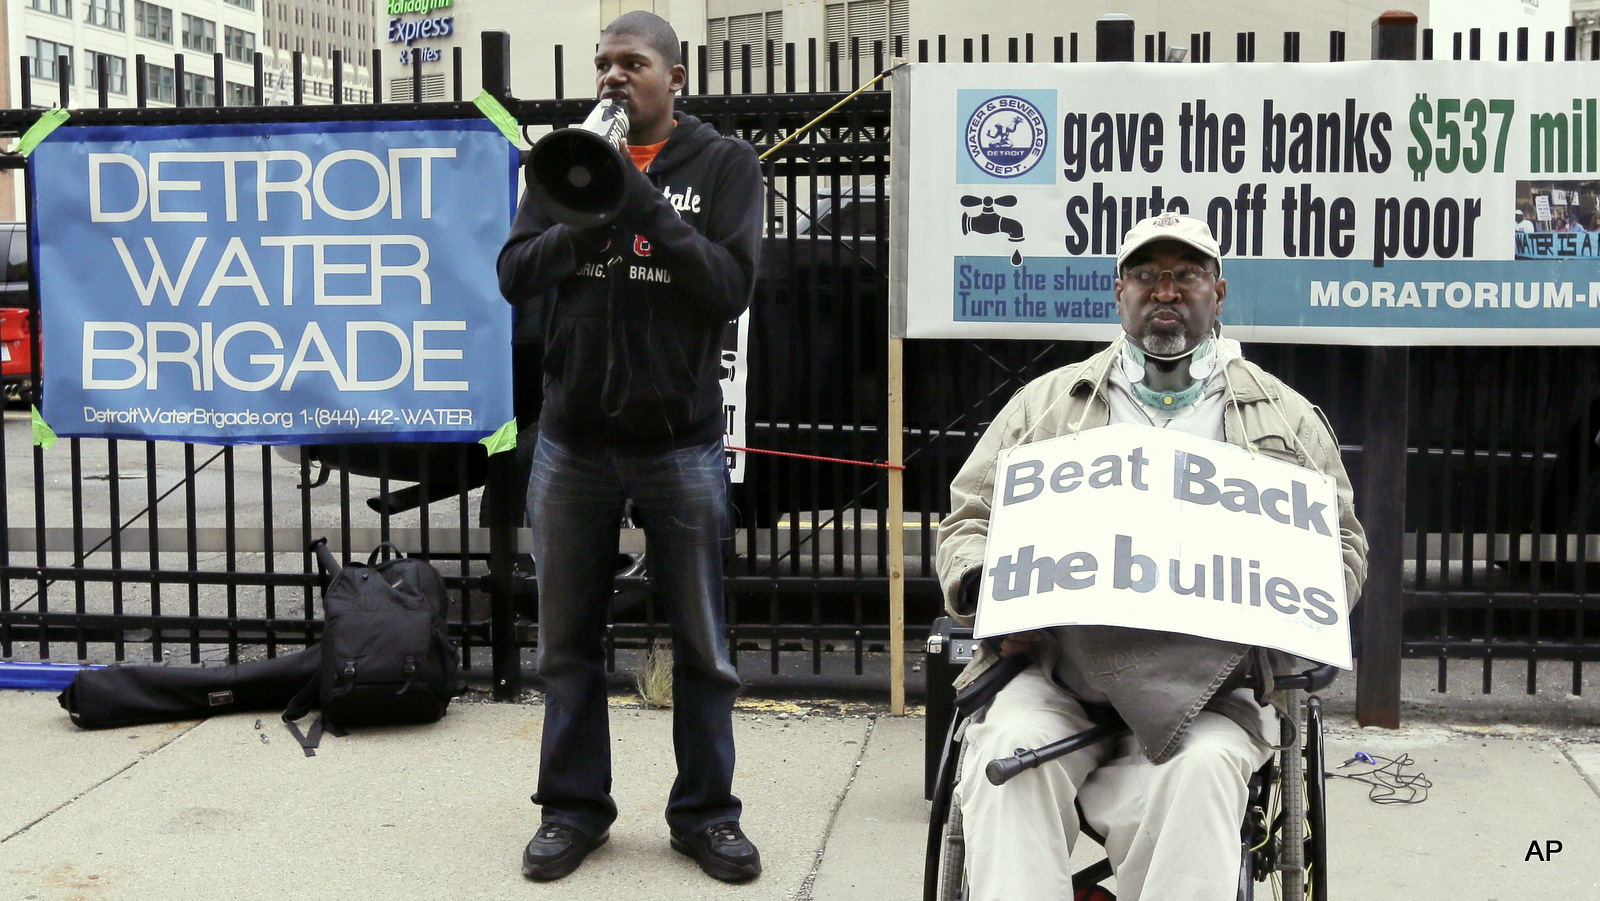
(1152, 528)
(1355, 202)
(274, 283)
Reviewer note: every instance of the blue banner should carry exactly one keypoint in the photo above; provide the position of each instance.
(274, 284)
(1558, 245)
(1047, 289)
(1270, 300)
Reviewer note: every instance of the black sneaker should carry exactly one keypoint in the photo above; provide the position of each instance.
(722, 851)
(557, 849)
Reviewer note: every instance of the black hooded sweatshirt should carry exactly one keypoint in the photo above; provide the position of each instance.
(633, 315)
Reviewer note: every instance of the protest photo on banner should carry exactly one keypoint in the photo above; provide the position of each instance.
(274, 283)
(1150, 528)
(1381, 203)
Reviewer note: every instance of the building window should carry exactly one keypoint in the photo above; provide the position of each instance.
(238, 45)
(106, 14)
(199, 34)
(152, 21)
(53, 7)
(158, 83)
(198, 90)
(242, 4)
(241, 94)
(868, 20)
(116, 72)
(44, 60)
(755, 30)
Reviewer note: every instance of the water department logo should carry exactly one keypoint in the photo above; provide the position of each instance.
(1002, 138)
(1006, 136)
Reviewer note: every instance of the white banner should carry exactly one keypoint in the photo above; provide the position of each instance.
(1355, 202)
(1151, 528)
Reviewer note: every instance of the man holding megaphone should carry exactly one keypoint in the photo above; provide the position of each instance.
(641, 251)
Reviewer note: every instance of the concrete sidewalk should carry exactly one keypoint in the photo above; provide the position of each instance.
(229, 809)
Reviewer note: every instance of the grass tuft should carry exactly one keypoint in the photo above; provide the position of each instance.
(655, 681)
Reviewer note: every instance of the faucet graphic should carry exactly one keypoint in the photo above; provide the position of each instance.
(988, 221)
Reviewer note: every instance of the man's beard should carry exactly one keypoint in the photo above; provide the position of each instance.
(1164, 345)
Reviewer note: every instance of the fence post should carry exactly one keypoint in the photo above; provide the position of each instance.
(1383, 482)
(1394, 35)
(497, 64)
(503, 511)
(1113, 38)
(503, 507)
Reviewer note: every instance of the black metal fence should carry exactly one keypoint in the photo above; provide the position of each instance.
(139, 550)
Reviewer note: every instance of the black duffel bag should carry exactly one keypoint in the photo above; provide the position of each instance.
(136, 695)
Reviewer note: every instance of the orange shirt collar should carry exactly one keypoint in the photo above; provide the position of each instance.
(644, 154)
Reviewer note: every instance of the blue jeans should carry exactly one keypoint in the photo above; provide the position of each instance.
(575, 504)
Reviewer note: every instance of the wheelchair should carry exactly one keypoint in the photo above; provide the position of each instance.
(1284, 835)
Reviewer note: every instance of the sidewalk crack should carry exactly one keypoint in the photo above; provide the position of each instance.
(143, 756)
(1587, 779)
(804, 892)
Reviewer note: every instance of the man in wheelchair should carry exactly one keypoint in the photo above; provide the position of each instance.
(1169, 796)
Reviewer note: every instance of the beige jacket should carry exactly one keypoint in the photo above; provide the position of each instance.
(1177, 675)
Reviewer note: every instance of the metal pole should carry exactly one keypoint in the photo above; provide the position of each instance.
(504, 508)
(1383, 485)
(897, 530)
(1113, 38)
(1394, 35)
(502, 513)
(497, 64)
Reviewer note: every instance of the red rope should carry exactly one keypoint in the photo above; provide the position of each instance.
(753, 450)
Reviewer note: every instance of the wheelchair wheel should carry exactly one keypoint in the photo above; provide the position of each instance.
(1316, 801)
(951, 884)
(1291, 862)
(1299, 858)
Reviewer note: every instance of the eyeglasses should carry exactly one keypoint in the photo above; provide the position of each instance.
(1185, 277)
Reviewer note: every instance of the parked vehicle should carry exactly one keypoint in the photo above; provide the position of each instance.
(819, 315)
(16, 317)
(818, 355)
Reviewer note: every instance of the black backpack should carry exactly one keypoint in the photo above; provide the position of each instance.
(387, 657)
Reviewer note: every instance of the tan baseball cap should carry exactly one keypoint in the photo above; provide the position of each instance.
(1171, 227)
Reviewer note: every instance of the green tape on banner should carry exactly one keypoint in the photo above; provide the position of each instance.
(500, 116)
(43, 435)
(35, 135)
(503, 439)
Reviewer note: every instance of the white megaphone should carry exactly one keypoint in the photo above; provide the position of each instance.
(577, 175)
